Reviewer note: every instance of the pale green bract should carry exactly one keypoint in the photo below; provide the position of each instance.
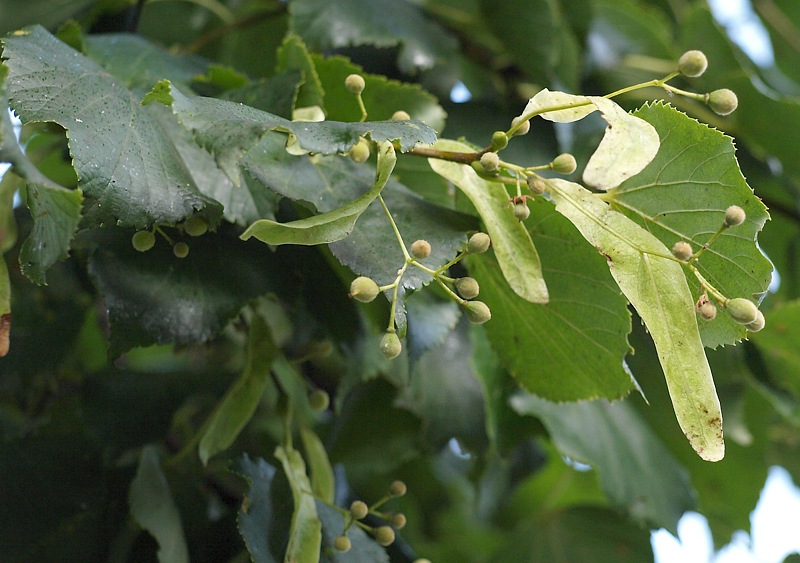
(305, 535)
(629, 143)
(656, 286)
(513, 247)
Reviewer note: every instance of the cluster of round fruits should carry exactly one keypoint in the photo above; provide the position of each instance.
(464, 290)
(741, 310)
(384, 535)
(194, 226)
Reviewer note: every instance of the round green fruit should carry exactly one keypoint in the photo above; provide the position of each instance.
(741, 310)
(477, 312)
(734, 216)
(364, 289)
(692, 63)
(384, 535)
(467, 288)
(565, 164)
(391, 345)
(355, 83)
(342, 544)
(521, 211)
(490, 161)
(499, 141)
(478, 243)
(195, 226)
(359, 509)
(319, 400)
(143, 241)
(181, 249)
(421, 249)
(722, 102)
(360, 151)
(682, 250)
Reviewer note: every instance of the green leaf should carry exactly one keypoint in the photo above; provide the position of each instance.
(139, 63)
(636, 470)
(445, 393)
(581, 533)
(322, 479)
(240, 402)
(5, 307)
(382, 96)
(656, 286)
(511, 242)
(327, 25)
(306, 531)
(154, 297)
(294, 56)
(430, 320)
(153, 508)
(256, 515)
(574, 347)
(683, 194)
(326, 227)
(229, 130)
(779, 345)
(56, 211)
(128, 169)
(552, 57)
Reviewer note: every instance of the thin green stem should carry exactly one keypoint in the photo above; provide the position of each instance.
(397, 234)
(362, 107)
(706, 285)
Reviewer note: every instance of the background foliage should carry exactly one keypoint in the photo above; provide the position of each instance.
(144, 400)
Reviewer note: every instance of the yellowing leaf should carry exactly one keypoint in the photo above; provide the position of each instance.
(511, 242)
(629, 144)
(656, 285)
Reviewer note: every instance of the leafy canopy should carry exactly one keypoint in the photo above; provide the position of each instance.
(198, 198)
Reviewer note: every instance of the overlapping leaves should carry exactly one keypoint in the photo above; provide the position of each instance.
(682, 195)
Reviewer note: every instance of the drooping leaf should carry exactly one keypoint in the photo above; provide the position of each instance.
(56, 211)
(306, 531)
(322, 479)
(5, 308)
(129, 171)
(154, 297)
(240, 402)
(229, 130)
(330, 226)
(512, 244)
(683, 194)
(574, 347)
(636, 470)
(153, 508)
(327, 25)
(256, 514)
(656, 286)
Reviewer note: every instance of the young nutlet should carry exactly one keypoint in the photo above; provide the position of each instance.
(478, 243)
